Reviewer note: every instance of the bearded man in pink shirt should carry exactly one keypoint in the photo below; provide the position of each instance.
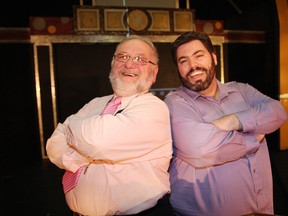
(220, 162)
(117, 163)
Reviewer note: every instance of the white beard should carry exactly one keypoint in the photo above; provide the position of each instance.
(126, 89)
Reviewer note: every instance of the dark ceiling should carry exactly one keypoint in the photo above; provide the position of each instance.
(224, 9)
(16, 13)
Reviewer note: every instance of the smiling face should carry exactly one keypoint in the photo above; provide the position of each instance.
(128, 78)
(196, 67)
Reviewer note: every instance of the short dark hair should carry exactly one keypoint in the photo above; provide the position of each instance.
(190, 36)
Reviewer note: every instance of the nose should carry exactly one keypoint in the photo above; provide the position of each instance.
(130, 63)
(192, 63)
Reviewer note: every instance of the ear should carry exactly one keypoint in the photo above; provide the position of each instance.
(112, 62)
(214, 56)
(155, 72)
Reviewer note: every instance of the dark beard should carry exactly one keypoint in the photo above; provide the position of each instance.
(199, 85)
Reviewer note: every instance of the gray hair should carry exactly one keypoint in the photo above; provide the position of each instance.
(145, 40)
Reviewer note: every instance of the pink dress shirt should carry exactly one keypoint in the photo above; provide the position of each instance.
(125, 156)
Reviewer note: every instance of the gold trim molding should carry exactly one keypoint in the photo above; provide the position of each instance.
(132, 20)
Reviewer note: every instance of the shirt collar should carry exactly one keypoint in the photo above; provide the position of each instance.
(224, 91)
(125, 100)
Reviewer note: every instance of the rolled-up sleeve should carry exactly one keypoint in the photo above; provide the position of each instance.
(201, 144)
(264, 116)
(141, 127)
(59, 151)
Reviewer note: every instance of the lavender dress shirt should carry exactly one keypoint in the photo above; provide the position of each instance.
(215, 172)
(126, 155)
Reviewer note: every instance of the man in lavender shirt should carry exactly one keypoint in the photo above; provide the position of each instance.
(220, 162)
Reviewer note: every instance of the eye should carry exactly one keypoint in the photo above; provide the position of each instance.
(182, 61)
(140, 59)
(199, 56)
(123, 57)
(137, 59)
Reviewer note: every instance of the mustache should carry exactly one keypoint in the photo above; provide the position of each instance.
(196, 69)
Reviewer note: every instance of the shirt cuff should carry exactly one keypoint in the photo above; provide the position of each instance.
(247, 120)
(252, 143)
(73, 161)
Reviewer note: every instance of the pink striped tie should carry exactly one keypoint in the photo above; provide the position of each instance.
(112, 106)
(70, 179)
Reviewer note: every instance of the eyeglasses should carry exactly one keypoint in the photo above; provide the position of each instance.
(122, 57)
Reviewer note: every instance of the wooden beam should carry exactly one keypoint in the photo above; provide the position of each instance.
(282, 7)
